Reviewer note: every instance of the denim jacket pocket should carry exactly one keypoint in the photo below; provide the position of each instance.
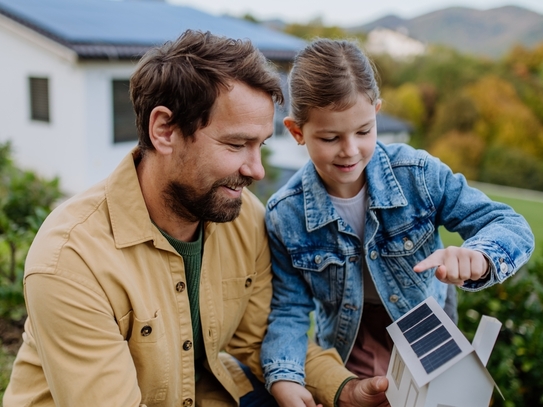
(324, 272)
(402, 251)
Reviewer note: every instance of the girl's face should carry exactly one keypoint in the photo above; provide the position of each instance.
(340, 144)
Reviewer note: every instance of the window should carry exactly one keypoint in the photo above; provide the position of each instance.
(397, 368)
(124, 118)
(39, 99)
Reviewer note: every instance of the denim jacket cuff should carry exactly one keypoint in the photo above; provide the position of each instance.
(284, 370)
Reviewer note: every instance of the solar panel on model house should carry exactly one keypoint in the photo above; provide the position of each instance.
(429, 339)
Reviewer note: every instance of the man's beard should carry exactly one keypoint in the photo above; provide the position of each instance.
(187, 203)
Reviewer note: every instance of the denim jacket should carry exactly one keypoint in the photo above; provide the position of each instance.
(317, 258)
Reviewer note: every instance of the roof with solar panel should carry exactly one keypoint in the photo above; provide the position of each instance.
(430, 340)
(97, 29)
(430, 352)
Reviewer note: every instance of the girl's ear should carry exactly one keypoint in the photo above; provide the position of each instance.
(294, 129)
(160, 131)
(378, 105)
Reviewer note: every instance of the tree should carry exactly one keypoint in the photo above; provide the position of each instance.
(512, 167)
(462, 152)
(314, 29)
(508, 122)
(455, 113)
(406, 103)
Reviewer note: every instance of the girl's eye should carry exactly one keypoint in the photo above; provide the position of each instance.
(329, 140)
(363, 133)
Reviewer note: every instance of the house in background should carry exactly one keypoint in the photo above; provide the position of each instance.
(397, 44)
(433, 364)
(64, 100)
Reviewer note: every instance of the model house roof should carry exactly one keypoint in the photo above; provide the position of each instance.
(105, 29)
(430, 343)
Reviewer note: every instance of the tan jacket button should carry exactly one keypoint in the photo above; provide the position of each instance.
(146, 330)
(180, 287)
(187, 345)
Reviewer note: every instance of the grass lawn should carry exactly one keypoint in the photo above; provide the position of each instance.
(528, 203)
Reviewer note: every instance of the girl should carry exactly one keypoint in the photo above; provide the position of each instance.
(354, 233)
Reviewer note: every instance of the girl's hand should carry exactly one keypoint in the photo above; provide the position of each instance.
(291, 394)
(455, 265)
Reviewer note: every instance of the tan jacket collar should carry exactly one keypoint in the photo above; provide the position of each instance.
(130, 219)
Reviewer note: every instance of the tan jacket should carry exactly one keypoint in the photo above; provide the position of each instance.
(108, 313)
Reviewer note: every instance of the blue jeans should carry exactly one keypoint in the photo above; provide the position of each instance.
(259, 397)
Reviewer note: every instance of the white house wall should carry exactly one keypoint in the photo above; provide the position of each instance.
(55, 148)
(77, 144)
(102, 154)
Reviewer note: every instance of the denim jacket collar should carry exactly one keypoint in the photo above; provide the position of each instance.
(384, 191)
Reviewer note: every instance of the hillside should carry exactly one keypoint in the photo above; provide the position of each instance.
(482, 32)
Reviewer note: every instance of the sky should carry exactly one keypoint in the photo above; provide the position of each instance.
(344, 13)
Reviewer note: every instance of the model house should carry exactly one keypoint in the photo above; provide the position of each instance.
(434, 365)
(64, 102)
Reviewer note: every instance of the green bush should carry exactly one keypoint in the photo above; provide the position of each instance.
(25, 201)
(520, 170)
(515, 363)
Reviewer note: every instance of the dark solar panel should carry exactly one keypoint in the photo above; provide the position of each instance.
(431, 341)
(440, 356)
(422, 328)
(415, 317)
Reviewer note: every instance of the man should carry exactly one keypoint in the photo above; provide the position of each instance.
(136, 287)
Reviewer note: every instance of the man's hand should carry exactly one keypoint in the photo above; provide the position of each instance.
(455, 265)
(364, 393)
(291, 394)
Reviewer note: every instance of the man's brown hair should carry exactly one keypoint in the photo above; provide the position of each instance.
(187, 75)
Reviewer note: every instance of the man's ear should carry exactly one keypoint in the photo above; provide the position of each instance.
(160, 131)
(294, 129)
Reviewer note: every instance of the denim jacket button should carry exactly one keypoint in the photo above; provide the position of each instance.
(318, 259)
(373, 255)
(408, 245)
(503, 267)
(394, 298)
